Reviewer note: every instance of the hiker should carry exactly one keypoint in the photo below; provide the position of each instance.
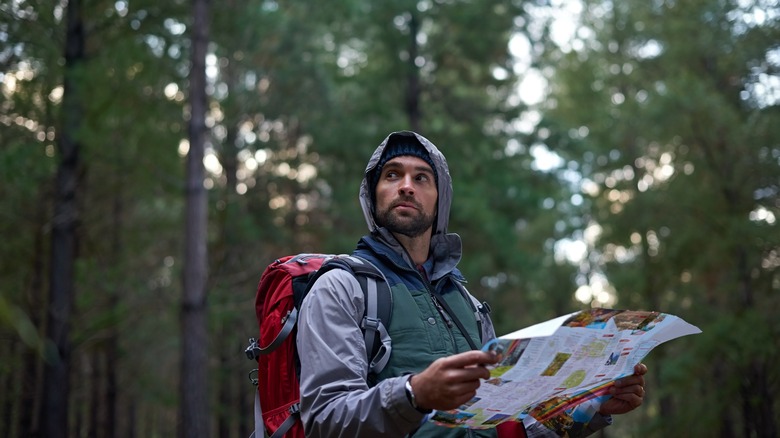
(435, 362)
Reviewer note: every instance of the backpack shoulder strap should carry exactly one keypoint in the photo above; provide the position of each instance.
(379, 311)
(379, 306)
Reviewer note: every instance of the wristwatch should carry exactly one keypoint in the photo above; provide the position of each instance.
(410, 396)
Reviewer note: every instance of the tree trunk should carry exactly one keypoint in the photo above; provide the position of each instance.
(131, 419)
(412, 103)
(226, 265)
(92, 379)
(225, 395)
(63, 250)
(194, 415)
(9, 392)
(757, 400)
(112, 343)
(31, 365)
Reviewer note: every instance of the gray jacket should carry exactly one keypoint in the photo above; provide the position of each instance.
(336, 400)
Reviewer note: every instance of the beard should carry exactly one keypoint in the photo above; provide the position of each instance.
(410, 226)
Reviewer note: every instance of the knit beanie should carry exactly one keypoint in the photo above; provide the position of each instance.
(396, 147)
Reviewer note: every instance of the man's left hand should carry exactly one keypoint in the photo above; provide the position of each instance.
(627, 393)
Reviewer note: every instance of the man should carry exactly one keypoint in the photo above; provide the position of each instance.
(435, 364)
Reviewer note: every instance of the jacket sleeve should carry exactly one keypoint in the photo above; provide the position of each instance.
(336, 400)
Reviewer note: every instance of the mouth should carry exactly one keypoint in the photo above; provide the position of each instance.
(405, 206)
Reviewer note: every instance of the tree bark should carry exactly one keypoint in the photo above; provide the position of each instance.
(194, 415)
(131, 419)
(226, 263)
(63, 250)
(92, 379)
(9, 393)
(114, 292)
(757, 400)
(412, 103)
(30, 396)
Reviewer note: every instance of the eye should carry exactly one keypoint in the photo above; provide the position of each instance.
(423, 177)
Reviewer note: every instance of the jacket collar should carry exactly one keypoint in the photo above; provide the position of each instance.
(446, 251)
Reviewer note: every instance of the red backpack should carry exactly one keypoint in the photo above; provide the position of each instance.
(283, 285)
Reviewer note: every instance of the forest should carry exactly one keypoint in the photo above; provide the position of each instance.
(155, 156)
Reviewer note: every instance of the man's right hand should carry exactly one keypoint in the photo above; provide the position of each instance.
(451, 381)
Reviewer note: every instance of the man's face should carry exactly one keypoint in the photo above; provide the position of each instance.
(406, 196)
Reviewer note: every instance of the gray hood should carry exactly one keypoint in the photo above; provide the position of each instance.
(443, 245)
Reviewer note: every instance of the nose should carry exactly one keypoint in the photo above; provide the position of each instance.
(407, 186)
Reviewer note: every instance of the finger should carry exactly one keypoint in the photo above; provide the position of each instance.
(640, 369)
(632, 398)
(635, 390)
(464, 389)
(445, 394)
(630, 380)
(473, 374)
(456, 401)
(470, 358)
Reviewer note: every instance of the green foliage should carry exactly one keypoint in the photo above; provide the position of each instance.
(662, 107)
(660, 114)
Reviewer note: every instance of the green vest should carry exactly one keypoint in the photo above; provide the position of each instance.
(421, 335)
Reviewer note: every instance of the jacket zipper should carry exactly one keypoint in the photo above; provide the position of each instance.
(446, 317)
(429, 287)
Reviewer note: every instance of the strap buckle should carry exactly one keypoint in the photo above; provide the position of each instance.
(369, 322)
(253, 377)
(252, 351)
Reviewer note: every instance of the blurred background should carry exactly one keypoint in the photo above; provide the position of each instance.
(156, 156)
